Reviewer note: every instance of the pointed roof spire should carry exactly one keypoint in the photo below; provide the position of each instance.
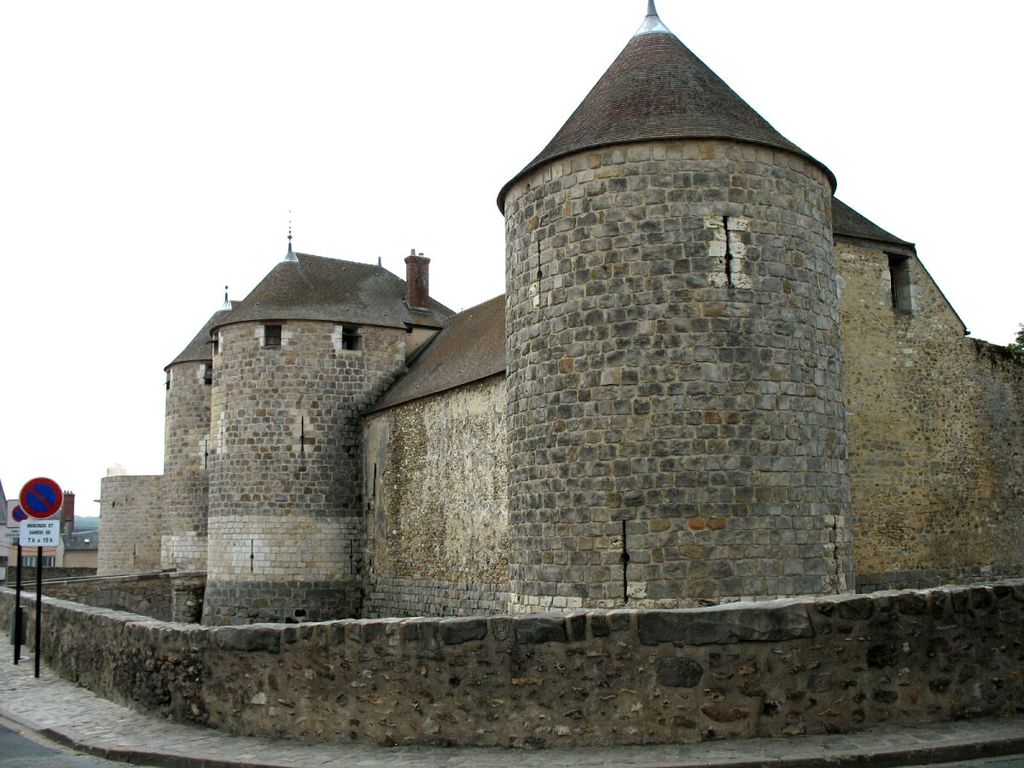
(652, 23)
(658, 90)
(227, 302)
(290, 256)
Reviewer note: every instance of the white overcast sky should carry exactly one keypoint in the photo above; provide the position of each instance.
(150, 154)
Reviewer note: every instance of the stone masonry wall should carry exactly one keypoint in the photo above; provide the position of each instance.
(674, 361)
(436, 477)
(786, 667)
(936, 426)
(164, 596)
(131, 511)
(186, 484)
(286, 520)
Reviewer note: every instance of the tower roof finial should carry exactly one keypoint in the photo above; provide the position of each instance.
(227, 301)
(652, 23)
(290, 256)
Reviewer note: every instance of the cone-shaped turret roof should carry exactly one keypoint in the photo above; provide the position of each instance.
(199, 350)
(658, 89)
(317, 288)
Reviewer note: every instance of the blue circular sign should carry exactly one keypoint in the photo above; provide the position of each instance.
(41, 498)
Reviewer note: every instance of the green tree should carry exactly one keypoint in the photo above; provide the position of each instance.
(1018, 344)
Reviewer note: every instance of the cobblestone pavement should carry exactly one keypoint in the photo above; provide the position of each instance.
(77, 718)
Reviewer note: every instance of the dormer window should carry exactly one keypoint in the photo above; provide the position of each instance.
(271, 335)
(349, 337)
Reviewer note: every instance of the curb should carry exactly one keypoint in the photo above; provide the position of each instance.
(883, 758)
(144, 758)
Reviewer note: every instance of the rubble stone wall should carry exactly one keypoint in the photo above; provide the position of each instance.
(164, 596)
(435, 479)
(936, 425)
(783, 667)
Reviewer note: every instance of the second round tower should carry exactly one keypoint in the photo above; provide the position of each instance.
(676, 422)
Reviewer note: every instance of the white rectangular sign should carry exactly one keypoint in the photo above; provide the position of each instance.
(40, 533)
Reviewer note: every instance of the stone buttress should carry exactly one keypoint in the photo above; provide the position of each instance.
(674, 369)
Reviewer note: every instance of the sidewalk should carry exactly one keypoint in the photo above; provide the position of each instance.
(76, 718)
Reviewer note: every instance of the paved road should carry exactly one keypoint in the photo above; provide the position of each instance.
(19, 749)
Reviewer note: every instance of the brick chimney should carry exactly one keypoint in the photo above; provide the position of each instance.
(67, 509)
(417, 280)
(67, 513)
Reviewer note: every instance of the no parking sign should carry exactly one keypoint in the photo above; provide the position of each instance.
(41, 498)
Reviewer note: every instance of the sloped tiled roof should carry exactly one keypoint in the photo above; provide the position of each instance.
(82, 540)
(470, 348)
(848, 223)
(198, 350)
(317, 288)
(658, 89)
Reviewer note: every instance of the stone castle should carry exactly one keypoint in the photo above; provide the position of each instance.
(708, 380)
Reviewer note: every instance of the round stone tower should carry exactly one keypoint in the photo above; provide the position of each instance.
(676, 422)
(296, 362)
(186, 452)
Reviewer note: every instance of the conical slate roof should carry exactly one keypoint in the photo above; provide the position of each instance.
(658, 89)
(198, 350)
(317, 288)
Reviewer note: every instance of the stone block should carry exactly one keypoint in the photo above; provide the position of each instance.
(679, 673)
(463, 630)
(251, 638)
(540, 628)
(725, 625)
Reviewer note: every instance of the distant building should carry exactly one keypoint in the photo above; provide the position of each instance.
(79, 544)
(77, 547)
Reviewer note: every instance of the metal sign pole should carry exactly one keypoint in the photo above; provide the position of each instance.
(41, 498)
(17, 609)
(39, 606)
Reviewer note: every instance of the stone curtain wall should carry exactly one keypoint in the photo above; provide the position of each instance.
(186, 436)
(435, 479)
(131, 508)
(936, 426)
(164, 596)
(825, 665)
(674, 361)
(286, 521)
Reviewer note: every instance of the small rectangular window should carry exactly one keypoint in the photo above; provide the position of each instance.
(167, 381)
(349, 337)
(215, 341)
(208, 374)
(899, 283)
(271, 335)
